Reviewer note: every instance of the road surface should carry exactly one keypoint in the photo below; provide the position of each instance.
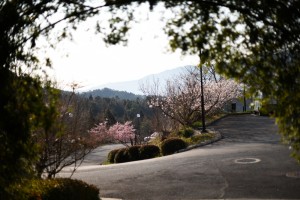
(249, 163)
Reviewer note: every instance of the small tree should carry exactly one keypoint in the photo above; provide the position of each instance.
(109, 118)
(121, 133)
(66, 141)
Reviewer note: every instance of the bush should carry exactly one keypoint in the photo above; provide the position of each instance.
(267, 109)
(122, 156)
(60, 189)
(202, 137)
(171, 145)
(134, 153)
(149, 151)
(111, 155)
(197, 125)
(197, 139)
(186, 132)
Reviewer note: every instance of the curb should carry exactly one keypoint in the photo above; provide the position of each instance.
(216, 139)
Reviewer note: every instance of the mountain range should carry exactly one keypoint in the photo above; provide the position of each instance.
(134, 85)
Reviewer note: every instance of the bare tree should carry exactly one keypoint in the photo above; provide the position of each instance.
(67, 142)
(154, 89)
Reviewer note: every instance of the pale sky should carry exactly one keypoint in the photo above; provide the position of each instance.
(87, 61)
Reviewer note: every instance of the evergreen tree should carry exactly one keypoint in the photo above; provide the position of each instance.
(109, 118)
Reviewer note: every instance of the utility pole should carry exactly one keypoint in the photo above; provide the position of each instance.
(245, 104)
(202, 102)
(202, 98)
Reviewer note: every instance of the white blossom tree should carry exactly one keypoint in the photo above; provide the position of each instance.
(180, 99)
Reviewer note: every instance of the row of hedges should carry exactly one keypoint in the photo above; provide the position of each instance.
(57, 189)
(133, 153)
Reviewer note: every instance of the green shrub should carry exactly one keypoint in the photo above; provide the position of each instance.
(197, 125)
(122, 156)
(267, 109)
(149, 151)
(186, 132)
(202, 137)
(197, 139)
(60, 189)
(171, 145)
(134, 153)
(111, 155)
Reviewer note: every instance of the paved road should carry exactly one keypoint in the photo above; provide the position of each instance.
(249, 163)
(99, 155)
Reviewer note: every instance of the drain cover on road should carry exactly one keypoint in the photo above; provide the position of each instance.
(246, 160)
(293, 174)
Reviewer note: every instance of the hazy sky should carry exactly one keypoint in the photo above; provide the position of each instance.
(87, 61)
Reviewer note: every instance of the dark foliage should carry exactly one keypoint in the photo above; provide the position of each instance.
(22, 109)
(134, 153)
(149, 151)
(60, 189)
(122, 156)
(171, 145)
(110, 120)
(186, 132)
(111, 155)
(109, 93)
(115, 109)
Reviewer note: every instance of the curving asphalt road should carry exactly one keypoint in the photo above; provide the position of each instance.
(249, 163)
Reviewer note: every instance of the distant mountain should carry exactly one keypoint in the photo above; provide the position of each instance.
(133, 86)
(109, 93)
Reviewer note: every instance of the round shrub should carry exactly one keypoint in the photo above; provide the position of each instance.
(111, 155)
(60, 189)
(134, 153)
(171, 145)
(122, 156)
(149, 151)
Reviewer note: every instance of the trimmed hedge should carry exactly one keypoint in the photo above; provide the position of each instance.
(133, 153)
(111, 155)
(60, 189)
(149, 151)
(121, 156)
(171, 145)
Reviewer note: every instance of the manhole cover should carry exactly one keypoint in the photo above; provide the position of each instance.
(247, 160)
(293, 174)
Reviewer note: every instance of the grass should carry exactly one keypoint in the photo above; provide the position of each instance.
(197, 139)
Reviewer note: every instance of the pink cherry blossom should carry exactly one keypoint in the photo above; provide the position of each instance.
(122, 133)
